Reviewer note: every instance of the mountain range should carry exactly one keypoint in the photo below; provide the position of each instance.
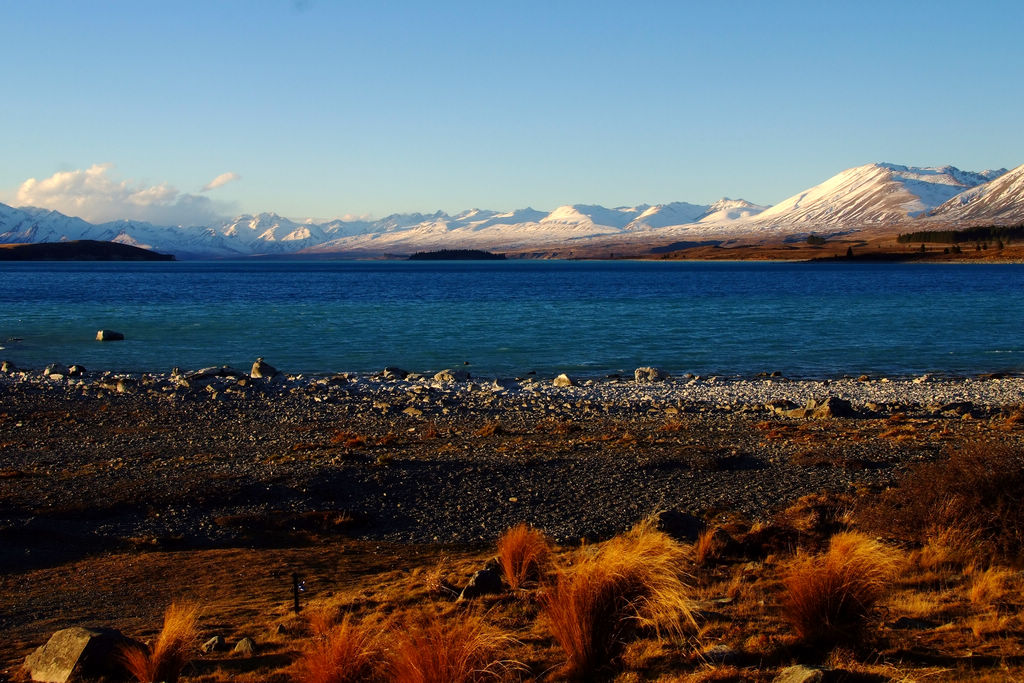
(878, 195)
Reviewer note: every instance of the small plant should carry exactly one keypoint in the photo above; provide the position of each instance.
(462, 649)
(707, 547)
(338, 653)
(978, 490)
(490, 429)
(348, 439)
(989, 587)
(596, 606)
(172, 650)
(523, 553)
(828, 596)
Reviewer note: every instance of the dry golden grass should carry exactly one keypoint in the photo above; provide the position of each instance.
(828, 596)
(596, 605)
(338, 653)
(947, 548)
(173, 648)
(523, 553)
(989, 587)
(707, 547)
(459, 649)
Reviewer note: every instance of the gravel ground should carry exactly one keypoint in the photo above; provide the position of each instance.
(92, 462)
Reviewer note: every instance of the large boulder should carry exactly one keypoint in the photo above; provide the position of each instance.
(262, 370)
(109, 335)
(483, 582)
(451, 376)
(649, 374)
(826, 409)
(76, 653)
(563, 380)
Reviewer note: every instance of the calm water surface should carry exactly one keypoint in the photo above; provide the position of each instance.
(506, 318)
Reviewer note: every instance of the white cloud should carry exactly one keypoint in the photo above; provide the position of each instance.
(93, 195)
(222, 179)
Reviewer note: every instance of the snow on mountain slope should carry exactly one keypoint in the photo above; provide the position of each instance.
(592, 214)
(871, 194)
(726, 210)
(663, 215)
(1000, 200)
(31, 224)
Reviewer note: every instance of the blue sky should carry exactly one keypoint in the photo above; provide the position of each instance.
(324, 109)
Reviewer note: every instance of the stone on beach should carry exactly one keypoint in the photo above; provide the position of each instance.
(563, 380)
(77, 653)
(826, 409)
(451, 376)
(649, 374)
(109, 335)
(262, 370)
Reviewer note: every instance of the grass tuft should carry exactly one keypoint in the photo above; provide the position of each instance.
(596, 606)
(172, 650)
(462, 649)
(523, 553)
(340, 653)
(828, 596)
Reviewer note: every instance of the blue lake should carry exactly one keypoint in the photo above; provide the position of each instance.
(506, 318)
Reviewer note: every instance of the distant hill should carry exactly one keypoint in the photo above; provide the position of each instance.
(79, 250)
(456, 255)
(872, 198)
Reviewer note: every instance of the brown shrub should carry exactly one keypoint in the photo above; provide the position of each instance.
(462, 649)
(339, 653)
(978, 489)
(171, 652)
(828, 596)
(523, 553)
(348, 439)
(596, 605)
(490, 429)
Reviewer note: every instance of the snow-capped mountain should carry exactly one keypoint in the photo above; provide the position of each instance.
(872, 194)
(858, 198)
(1000, 200)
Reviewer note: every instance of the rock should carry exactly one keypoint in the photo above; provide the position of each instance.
(413, 411)
(830, 408)
(55, 369)
(394, 373)
(245, 646)
(563, 380)
(909, 624)
(8, 366)
(800, 674)
(262, 370)
(682, 526)
(451, 376)
(649, 374)
(214, 644)
(210, 373)
(721, 654)
(77, 653)
(483, 582)
(109, 335)
(76, 371)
